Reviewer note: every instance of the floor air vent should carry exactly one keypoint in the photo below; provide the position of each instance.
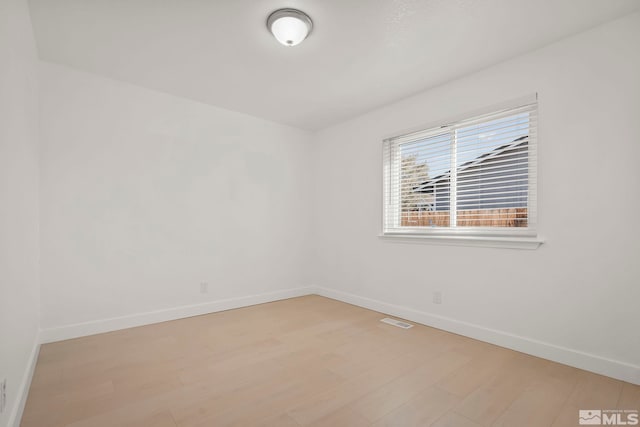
(398, 323)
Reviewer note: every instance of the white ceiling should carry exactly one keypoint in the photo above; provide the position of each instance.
(362, 53)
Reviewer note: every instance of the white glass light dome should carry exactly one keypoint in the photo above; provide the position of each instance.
(289, 26)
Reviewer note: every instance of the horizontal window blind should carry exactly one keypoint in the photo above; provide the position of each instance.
(474, 175)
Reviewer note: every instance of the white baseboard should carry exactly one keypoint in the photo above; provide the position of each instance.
(116, 323)
(23, 390)
(589, 362)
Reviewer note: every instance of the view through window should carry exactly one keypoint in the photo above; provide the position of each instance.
(473, 175)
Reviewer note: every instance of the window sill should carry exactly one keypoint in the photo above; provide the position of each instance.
(529, 243)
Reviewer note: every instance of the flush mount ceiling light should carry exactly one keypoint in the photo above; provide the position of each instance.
(289, 26)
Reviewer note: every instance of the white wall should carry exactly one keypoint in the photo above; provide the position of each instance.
(580, 290)
(146, 195)
(19, 290)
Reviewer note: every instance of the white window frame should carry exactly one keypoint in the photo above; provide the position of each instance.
(503, 237)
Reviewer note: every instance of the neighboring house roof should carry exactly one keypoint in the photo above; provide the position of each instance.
(428, 186)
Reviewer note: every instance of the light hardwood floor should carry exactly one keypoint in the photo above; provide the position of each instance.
(305, 361)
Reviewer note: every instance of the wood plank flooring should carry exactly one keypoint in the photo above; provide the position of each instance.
(308, 361)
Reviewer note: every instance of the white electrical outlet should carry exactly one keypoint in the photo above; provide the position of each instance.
(3, 395)
(437, 297)
(204, 288)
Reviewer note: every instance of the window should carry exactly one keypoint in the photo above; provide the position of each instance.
(472, 177)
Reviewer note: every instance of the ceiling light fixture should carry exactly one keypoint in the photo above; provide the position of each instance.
(289, 26)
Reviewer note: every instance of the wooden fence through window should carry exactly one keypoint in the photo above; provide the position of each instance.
(508, 217)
